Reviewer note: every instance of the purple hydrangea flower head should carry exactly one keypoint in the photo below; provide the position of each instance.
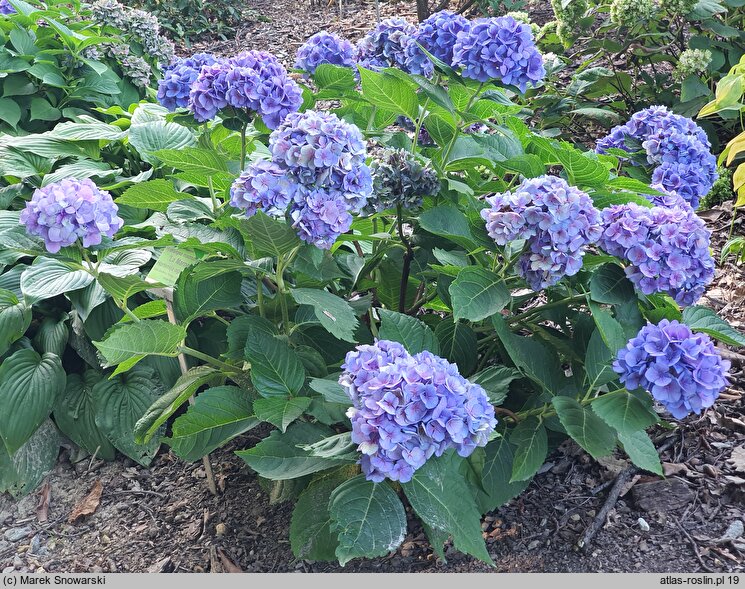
(680, 369)
(558, 221)
(6, 8)
(667, 249)
(499, 49)
(669, 198)
(318, 176)
(386, 45)
(174, 88)
(258, 82)
(325, 47)
(675, 147)
(69, 210)
(208, 94)
(407, 408)
(438, 33)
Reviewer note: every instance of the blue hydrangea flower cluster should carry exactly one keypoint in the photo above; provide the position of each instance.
(69, 210)
(252, 80)
(667, 249)
(386, 45)
(438, 34)
(178, 78)
(6, 8)
(318, 170)
(499, 49)
(675, 146)
(557, 220)
(325, 47)
(407, 409)
(680, 369)
(669, 198)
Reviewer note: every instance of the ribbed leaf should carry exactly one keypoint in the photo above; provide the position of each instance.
(585, 428)
(48, 278)
(409, 331)
(134, 341)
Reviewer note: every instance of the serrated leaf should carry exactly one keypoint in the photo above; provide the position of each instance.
(218, 415)
(269, 237)
(458, 344)
(334, 313)
(623, 412)
(75, 414)
(413, 334)
(609, 284)
(531, 447)
(441, 498)
(281, 412)
(496, 380)
(120, 402)
(155, 195)
(389, 93)
(280, 456)
(598, 360)
(368, 517)
(585, 428)
(137, 340)
(276, 371)
(707, 321)
(496, 473)
(477, 294)
(238, 330)
(196, 296)
(610, 330)
(331, 390)
(29, 387)
(159, 412)
(447, 221)
(641, 450)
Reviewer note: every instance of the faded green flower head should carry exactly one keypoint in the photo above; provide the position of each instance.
(630, 12)
(692, 62)
(677, 7)
(568, 18)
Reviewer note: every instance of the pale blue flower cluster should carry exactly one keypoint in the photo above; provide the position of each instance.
(179, 77)
(558, 221)
(63, 212)
(322, 48)
(675, 146)
(318, 170)
(386, 45)
(680, 369)
(667, 249)
(408, 408)
(438, 34)
(499, 49)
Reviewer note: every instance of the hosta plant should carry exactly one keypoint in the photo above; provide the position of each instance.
(412, 316)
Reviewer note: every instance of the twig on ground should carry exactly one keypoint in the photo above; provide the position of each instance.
(694, 546)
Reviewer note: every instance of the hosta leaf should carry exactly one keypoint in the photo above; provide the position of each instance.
(15, 318)
(120, 402)
(368, 518)
(281, 412)
(21, 473)
(52, 335)
(153, 136)
(334, 313)
(29, 387)
(276, 371)
(279, 457)
(409, 331)
(75, 414)
(218, 415)
(441, 497)
(585, 427)
(477, 294)
(137, 340)
(48, 278)
(531, 446)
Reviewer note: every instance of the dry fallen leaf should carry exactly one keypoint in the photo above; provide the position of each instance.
(228, 565)
(42, 509)
(669, 469)
(737, 460)
(88, 505)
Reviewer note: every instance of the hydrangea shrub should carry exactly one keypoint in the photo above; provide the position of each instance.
(407, 319)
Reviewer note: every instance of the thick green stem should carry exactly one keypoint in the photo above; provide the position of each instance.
(408, 257)
(243, 146)
(552, 305)
(209, 359)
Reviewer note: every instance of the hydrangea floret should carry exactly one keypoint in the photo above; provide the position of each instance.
(558, 221)
(437, 34)
(318, 175)
(682, 370)
(677, 7)
(627, 13)
(499, 49)
(667, 249)
(322, 48)
(63, 212)
(675, 146)
(408, 408)
(399, 178)
(692, 62)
